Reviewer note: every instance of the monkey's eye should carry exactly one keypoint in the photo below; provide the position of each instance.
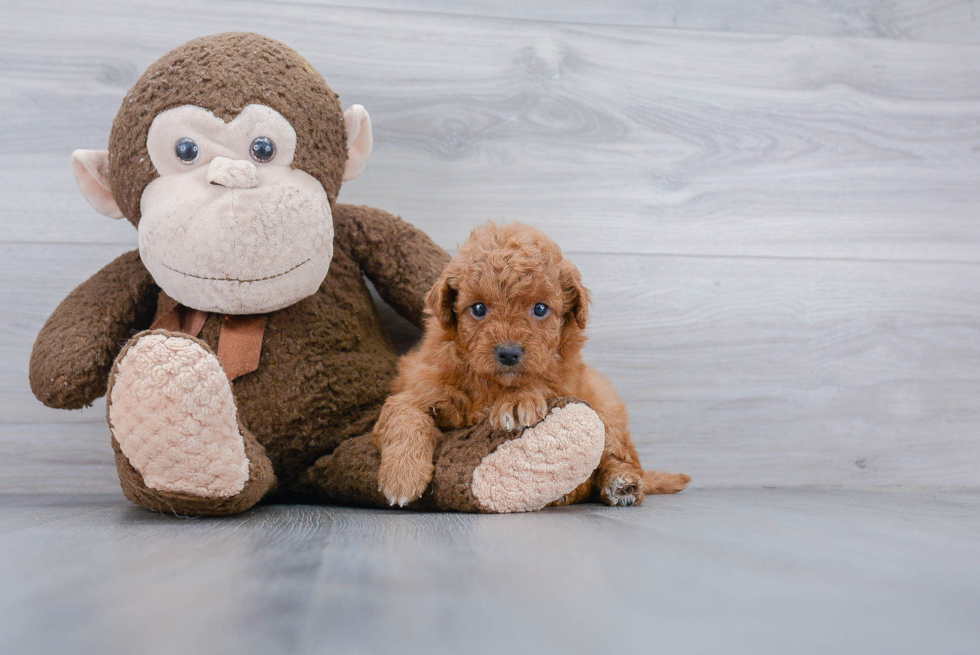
(187, 151)
(262, 149)
(479, 310)
(541, 310)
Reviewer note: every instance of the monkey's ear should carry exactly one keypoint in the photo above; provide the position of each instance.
(91, 170)
(359, 140)
(441, 301)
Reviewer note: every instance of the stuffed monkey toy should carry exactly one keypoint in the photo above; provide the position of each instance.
(239, 349)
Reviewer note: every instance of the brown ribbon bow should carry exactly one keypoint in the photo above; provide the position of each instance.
(239, 342)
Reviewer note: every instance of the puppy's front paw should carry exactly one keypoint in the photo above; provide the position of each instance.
(624, 489)
(502, 417)
(530, 410)
(523, 412)
(402, 482)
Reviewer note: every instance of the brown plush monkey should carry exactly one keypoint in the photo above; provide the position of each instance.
(239, 347)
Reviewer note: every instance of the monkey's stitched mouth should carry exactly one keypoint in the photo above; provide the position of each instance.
(232, 279)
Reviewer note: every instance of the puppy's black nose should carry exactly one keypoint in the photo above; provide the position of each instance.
(508, 354)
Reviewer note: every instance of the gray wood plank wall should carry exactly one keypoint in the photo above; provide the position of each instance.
(777, 207)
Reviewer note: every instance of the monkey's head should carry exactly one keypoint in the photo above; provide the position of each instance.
(227, 155)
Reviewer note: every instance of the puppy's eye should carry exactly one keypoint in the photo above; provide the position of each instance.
(186, 151)
(479, 310)
(541, 310)
(262, 149)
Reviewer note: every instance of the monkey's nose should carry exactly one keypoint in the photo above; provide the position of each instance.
(233, 173)
(509, 354)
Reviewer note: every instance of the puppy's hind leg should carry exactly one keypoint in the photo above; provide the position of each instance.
(621, 480)
(620, 483)
(624, 483)
(580, 494)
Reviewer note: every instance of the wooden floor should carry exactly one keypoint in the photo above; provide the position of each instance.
(708, 571)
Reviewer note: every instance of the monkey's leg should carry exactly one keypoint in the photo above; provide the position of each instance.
(179, 445)
(479, 469)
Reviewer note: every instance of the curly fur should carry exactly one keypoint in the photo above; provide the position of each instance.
(454, 379)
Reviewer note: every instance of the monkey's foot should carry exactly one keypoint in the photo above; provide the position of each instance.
(478, 469)
(544, 463)
(171, 412)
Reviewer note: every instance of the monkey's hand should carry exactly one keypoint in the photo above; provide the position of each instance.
(76, 347)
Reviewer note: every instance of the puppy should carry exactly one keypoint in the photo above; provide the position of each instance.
(504, 333)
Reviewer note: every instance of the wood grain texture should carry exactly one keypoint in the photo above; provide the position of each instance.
(777, 216)
(802, 372)
(672, 141)
(920, 20)
(707, 571)
(66, 458)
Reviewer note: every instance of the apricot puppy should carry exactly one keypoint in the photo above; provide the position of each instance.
(505, 330)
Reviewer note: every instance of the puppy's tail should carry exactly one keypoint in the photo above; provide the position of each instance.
(662, 482)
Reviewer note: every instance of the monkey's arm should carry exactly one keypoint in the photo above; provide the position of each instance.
(401, 260)
(76, 347)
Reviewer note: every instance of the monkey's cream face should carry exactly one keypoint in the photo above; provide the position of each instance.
(228, 226)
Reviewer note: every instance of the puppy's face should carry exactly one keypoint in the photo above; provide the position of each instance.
(514, 306)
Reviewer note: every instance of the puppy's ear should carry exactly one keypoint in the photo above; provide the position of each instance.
(441, 299)
(575, 295)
